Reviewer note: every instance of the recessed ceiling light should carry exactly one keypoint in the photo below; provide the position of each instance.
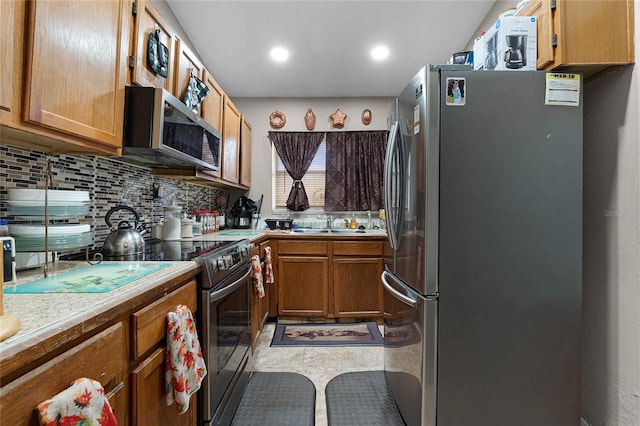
(379, 53)
(279, 54)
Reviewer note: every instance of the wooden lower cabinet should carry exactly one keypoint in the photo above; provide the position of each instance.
(101, 358)
(357, 282)
(148, 384)
(303, 286)
(357, 290)
(126, 356)
(149, 328)
(330, 279)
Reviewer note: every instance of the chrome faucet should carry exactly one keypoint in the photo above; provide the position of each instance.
(331, 220)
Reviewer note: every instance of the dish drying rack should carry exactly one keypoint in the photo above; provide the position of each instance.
(95, 259)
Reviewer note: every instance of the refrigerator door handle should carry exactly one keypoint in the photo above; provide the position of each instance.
(413, 302)
(388, 184)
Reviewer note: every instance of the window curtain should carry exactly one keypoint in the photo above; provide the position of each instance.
(355, 168)
(296, 150)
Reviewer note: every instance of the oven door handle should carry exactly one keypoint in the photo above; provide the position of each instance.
(219, 294)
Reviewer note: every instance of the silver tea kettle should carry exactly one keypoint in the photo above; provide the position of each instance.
(124, 242)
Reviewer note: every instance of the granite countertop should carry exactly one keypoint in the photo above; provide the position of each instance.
(256, 234)
(47, 314)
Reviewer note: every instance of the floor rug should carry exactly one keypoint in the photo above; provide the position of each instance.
(362, 333)
(277, 399)
(361, 398)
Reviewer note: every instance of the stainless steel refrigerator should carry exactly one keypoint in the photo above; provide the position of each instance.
(482, 279)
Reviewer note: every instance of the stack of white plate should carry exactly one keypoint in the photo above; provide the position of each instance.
(32, 237)
(31, 202)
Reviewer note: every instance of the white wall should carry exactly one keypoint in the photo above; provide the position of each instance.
(257, 111)
(611, 248)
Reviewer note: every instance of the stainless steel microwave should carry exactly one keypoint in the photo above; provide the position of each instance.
(161, 132)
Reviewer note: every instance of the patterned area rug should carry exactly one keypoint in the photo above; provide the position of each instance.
(362, 333)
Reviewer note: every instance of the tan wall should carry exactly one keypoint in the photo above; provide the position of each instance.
(611, 254)
(257, 111)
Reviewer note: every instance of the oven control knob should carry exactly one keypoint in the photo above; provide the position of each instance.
(228, 261)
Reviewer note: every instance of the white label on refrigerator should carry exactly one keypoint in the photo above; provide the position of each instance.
(562, 89)
(416, 119)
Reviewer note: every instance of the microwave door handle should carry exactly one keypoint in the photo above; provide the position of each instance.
(219, 294)
(388, 184)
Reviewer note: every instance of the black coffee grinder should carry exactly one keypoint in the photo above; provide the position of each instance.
(516, 57)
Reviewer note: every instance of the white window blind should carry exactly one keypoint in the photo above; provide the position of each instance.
(314, 180)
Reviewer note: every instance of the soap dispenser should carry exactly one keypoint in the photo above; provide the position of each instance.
(353, 224)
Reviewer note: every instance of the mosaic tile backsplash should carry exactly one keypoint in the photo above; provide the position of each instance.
(109, 183)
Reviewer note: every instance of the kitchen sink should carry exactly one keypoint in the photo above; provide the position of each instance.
(348, 231)
(332, 231)
(310, 231)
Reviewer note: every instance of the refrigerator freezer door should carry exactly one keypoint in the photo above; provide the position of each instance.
(410, 346)
(510, 254)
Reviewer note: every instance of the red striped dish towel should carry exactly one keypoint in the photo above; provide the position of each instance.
(268, 274)
(82, 403)
(184, 365)
(256, 268)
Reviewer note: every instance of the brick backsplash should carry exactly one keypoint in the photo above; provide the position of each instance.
(108, 181)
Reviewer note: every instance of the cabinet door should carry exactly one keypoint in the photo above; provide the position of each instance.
(541, 9)
(231, 143)
(11, 45)
(76, 67)
(594, 33)
(149, 406)
(100, 358)
(186, 63)
(582, 36)
(213, 103)
(147, 20)
(245, 153)
(357, 287)
(303, 286)
(149, 324)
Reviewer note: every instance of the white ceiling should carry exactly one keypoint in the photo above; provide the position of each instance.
(328, 41)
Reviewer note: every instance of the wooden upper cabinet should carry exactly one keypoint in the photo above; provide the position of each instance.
(147, 21)
(584, 36)
(231, 143)
(11, 44)
(186, 63)
(541, 9)
(75, 69)
(245, 153)
(213, 104)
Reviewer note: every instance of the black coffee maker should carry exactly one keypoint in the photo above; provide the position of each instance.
(242, 211)
(516, 57)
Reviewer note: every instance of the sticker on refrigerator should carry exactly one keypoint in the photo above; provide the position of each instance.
(562, 89)
(456, 91)
(416, 119)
